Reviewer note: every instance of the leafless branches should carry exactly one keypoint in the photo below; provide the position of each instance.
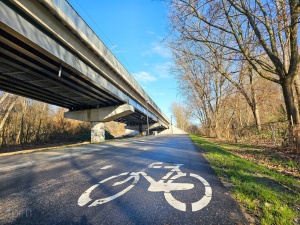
(241, 37)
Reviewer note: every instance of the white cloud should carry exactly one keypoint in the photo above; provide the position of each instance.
(150, 32)
(158, 49)
(162, 70)
(143, 77)
(161, 50)
(158, 93)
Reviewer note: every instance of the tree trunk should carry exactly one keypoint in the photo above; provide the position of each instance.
(2, 138)
(210, 131)
(297, 88)
(256, 115)
(297, 84)
(37, 136)
(240, 119)
(255, 112)
(19, 139)
(254, 104)
(3, 97)
(290, 100)
(2, 123)
(217, 129)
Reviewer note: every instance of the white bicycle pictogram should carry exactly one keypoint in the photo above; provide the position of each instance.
(165, 185)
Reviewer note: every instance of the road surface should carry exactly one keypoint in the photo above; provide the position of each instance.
(150, 180)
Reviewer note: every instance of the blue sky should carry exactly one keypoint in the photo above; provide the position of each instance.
(133, 30)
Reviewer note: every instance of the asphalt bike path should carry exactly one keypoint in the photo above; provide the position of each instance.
(153, 180)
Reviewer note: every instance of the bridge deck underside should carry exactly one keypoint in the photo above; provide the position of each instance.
(27, 72)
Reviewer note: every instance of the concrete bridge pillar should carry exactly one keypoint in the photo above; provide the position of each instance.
(97, 132)
(97, 117)
(140, 128)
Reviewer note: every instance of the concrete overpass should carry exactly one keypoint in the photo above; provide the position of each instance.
(50, 54)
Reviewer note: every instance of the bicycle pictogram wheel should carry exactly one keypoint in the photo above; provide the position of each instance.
(85, 197)
(198, 205)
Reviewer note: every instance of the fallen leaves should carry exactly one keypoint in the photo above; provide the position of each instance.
(281, 159)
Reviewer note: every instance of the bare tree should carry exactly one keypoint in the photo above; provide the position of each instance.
(25, 121)
(20, 137)
(37, 135)
(7, 112)
(202, 87)
(263, 34)
(182, 115)
(212, 56)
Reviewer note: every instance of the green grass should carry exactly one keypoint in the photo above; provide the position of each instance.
(269, 196)
(291, 164)
(270, 156)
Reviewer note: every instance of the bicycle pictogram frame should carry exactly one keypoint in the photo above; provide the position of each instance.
(165, 185)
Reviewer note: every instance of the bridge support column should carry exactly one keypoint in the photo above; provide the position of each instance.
(140, 128)
(97, 132)
(97, 117)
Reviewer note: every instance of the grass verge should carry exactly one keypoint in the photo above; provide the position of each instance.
(276, 158)
(269, 196)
